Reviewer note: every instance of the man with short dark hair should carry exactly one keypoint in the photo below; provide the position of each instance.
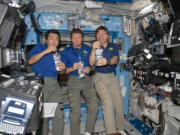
(42, 61)
(76, 59)
(106, 83)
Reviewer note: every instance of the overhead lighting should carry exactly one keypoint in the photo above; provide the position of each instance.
(91, 4)
(147, 9)
(147, 53)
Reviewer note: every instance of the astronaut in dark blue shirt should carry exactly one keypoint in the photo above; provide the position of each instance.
(41, 59)
(106, 83)
(76, 59)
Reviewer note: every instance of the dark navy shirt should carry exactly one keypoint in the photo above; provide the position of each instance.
(108, 52)
(71, 55)
(45, 66)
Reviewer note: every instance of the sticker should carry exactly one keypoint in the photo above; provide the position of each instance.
(123, 91)
(84, 52)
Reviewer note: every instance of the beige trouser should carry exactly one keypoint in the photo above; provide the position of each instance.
(84, 87)
(108, 89)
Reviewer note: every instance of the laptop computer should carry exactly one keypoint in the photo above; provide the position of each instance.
(15, 114)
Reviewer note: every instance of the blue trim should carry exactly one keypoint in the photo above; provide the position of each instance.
(141, 126)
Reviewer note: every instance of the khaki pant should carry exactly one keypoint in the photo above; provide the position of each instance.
(108, 89)
(76, 88)
(53, 93)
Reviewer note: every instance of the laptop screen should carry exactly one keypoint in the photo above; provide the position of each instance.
(16, 109)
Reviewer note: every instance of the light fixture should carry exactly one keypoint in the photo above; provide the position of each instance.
(92, 4)
(147, 9)
(147, 53)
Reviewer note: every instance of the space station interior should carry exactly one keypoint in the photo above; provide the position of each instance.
(147, 33)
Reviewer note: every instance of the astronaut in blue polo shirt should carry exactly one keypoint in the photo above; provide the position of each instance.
(76, 59)
(106, 83)
(42, 61)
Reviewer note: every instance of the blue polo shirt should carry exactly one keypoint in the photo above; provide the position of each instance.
(70, 55)
(45, 66)
(108, 52)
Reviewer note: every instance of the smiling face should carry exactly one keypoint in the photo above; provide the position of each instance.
(52, 39)
(102, 36)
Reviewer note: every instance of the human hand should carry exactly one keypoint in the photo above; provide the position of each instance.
(51, 49)
(86, 70)
(61, 66)
(96, 45)
(77, 65)
(102, 61)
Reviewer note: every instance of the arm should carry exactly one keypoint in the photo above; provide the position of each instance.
(105, 61)
(62, 67)
(110, 61)
(36, 57)
(113, 60)
(76, 66)
(68, 70)
(92, 57)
